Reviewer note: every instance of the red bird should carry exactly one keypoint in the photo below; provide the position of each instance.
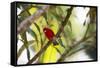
(50, 35)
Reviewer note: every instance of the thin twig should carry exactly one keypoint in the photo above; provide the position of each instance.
(22, 48)
(64, 22)
(57, 35)
(23, 35)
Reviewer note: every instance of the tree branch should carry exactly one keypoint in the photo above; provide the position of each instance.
(23, 35)
(66, 52)
(64, 22)
(29, 20)
(40, 52)
(57, 35)
(23, 47)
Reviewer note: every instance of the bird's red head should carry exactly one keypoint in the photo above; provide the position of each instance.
(45, 29)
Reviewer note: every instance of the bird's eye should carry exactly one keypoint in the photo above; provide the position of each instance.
(44, 30)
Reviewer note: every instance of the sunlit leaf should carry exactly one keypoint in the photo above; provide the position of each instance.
(45, 16)
(50, 55)
(30, 31)
(32, 10)
(39, 32)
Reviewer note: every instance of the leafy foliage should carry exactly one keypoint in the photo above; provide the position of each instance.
(72, 32)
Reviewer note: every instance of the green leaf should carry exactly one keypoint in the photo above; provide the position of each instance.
(23, 47)
(70, 25)
(61, 43)
(58, 50)
(39, 32)
(24, 37)
(30, 31)
(59, 11)
(45, 16)
(68, 31)
(37, 27)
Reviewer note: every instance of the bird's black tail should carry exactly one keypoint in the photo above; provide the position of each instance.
(55, 42)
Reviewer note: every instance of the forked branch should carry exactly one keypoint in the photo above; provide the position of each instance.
(57, 35)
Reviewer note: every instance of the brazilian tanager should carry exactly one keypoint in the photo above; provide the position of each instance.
(50, 35)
